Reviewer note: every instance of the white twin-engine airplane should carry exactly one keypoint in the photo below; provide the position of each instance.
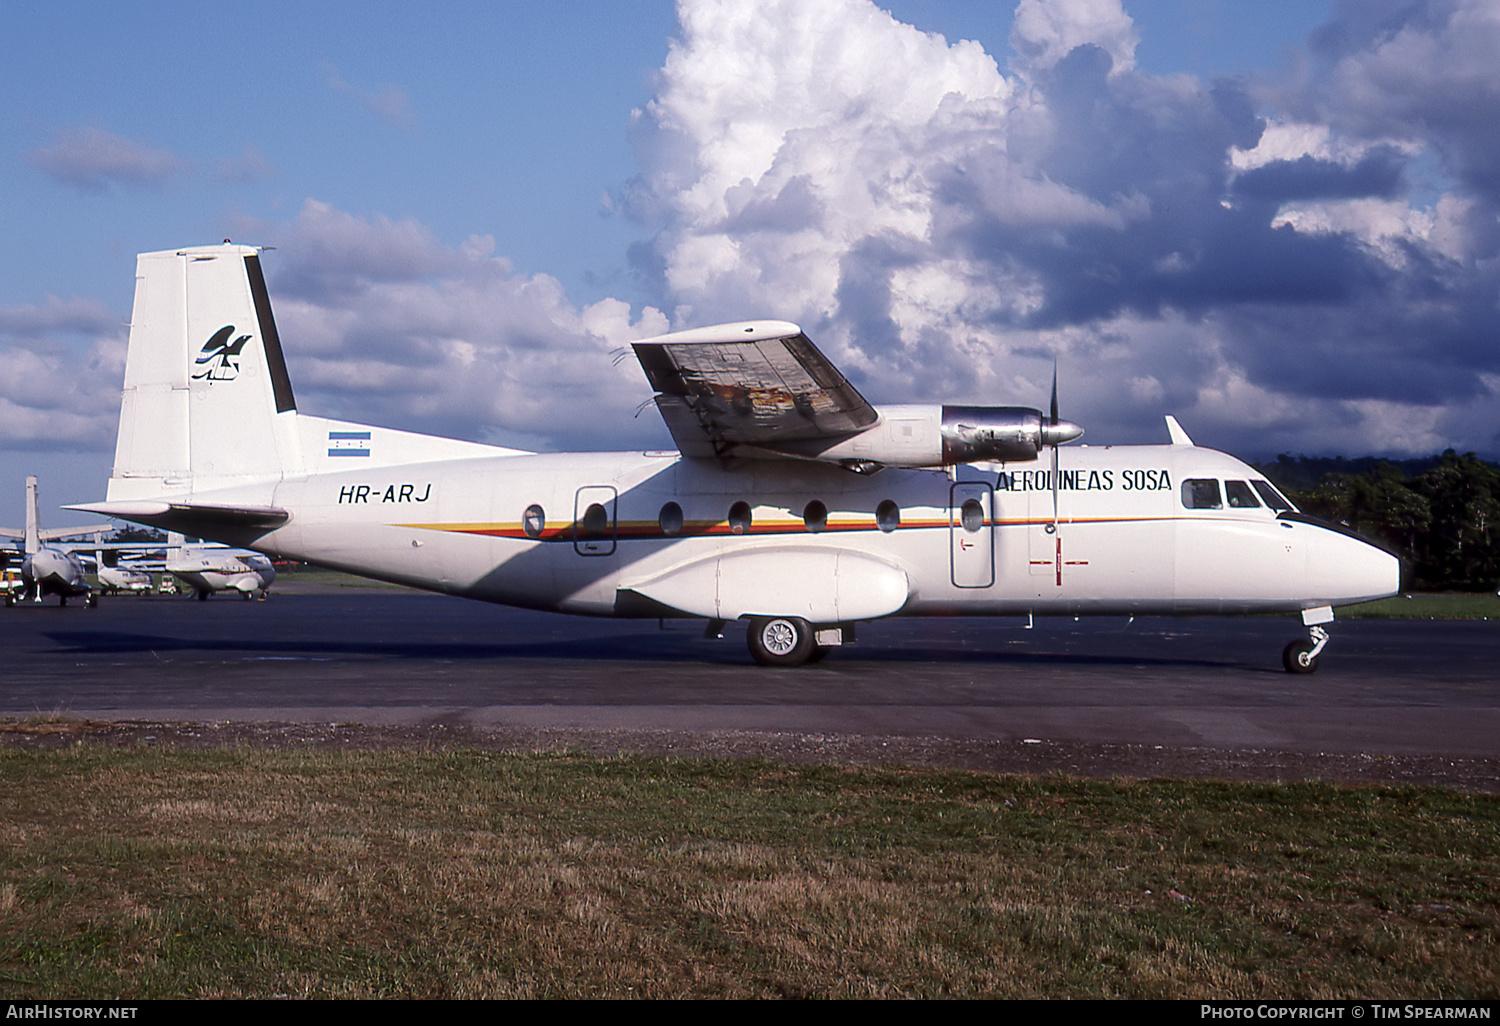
(47, 569)
(793, 504)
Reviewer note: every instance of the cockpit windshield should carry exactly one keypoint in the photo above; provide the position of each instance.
(1272, 497)
(1204, 493)
(1240, 495)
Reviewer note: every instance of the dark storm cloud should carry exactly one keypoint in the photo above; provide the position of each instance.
(1421, 71)
(1378, 174)
(1313, 313)
(1181, 245)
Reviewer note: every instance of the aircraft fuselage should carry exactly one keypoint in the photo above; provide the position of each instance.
(517, 530)
(53, 572)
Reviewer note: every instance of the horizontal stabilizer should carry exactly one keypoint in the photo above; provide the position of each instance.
(58, 533)
(231, 523)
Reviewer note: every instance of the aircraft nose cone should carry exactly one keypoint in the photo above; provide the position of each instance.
(1060, 432)
(48, 565)
(1352, 570)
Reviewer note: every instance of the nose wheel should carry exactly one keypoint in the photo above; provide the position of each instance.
(1301, 656)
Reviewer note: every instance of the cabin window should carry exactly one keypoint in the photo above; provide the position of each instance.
(971, 515)
(1272, 497)
(670, 520)
(533, 521)
(739, 518)
(888, 516)
(815, 516)
(1240, 496)
(1201, 493)
(595, 521)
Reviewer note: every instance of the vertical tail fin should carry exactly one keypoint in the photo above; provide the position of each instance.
(33, 518)
(206, 388)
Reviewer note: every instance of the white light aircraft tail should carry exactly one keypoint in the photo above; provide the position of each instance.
(33, 543)
(208, 404)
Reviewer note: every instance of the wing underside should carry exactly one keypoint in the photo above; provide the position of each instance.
(760, 384)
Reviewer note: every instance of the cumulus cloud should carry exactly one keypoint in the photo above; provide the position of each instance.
(55, 395)
(945, 228)
(1304, 263)
(87, 316)
(1421, 73)
(383, 323)
(91, 159)
(61, 364)
(1044, 32)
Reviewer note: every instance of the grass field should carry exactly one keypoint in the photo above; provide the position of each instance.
(1425, 606)
(148, 873)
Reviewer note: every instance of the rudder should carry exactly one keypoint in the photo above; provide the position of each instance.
(206, 393)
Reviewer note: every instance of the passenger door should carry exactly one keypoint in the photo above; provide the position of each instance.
(971, 534)
(594, 520)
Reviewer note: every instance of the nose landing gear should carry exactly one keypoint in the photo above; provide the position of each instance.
(1301, 656)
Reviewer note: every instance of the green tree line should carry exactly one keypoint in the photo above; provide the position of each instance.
(1442, 515)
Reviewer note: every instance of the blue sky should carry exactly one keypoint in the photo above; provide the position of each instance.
(1274, 220)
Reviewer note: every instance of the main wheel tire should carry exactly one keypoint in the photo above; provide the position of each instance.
(780, 640)
(1297, 658)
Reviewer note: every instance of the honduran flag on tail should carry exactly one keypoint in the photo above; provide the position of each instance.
(348, 443)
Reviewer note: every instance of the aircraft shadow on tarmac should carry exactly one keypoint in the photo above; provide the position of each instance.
(676, 646)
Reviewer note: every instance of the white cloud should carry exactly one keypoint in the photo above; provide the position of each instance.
(945, 230)
(1284, 140)
(59, 396)
(1386, 227)
(1046, 31)
(801, 139)
(91, 159)
(382, 323)
(73, 315)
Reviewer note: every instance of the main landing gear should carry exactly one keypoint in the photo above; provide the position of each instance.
(792, 641)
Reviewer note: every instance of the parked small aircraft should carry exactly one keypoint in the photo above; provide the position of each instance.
(210, 568)
(113, 575)
(48, 569)
(793, 503)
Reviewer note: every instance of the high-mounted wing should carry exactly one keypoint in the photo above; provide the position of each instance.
(754, 383)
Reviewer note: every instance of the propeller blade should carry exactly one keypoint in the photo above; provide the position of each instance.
(1054, 489)
(1056, 431)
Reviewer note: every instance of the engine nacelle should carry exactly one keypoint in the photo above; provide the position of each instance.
(943, 436)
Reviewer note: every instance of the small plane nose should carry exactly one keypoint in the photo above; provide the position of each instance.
(1348, 569)
(47, 565)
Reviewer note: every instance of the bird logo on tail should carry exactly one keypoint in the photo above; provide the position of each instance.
(220, 358)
